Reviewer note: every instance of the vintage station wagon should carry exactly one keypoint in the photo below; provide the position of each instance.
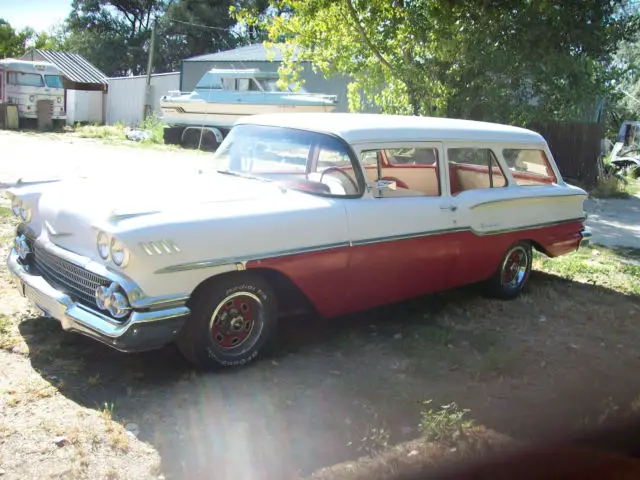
(337, 212)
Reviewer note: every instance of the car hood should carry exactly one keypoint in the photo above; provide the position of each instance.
(71, 212)
(100, 199)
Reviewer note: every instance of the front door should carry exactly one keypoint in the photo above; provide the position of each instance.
(404, 241)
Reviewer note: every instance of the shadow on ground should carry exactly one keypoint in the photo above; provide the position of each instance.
(335, 390)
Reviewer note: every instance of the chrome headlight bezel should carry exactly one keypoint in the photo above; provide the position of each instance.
(119, 253)
(103, 245)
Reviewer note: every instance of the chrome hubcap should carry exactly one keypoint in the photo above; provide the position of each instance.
(514, 267)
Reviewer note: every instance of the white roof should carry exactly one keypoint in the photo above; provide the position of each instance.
(368, 127)
(28, 66)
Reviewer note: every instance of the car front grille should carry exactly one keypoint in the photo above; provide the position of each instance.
(67, 277)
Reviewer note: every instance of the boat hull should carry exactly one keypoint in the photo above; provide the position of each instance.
(226, 114)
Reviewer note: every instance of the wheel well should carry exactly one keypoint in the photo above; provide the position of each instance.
(538, 247)
(290, 297)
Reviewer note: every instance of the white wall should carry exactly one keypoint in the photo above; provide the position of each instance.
(125, 100)
(84, 106)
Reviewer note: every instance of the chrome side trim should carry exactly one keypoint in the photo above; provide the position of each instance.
(527, 227)
(241, 261)
(530, 197)
(219, 262)
(407, 236)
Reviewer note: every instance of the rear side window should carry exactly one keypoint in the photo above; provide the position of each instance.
(474, 168)
(529, 166)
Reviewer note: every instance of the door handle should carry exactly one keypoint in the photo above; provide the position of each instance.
(449, 207)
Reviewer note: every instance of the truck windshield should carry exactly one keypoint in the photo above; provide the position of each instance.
(53, 81)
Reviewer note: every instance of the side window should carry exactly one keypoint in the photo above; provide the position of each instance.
(334, 168)
(474, 168)
(229, 83)
(243, 84)
(412, 156)
(405, 172)
(528, 166)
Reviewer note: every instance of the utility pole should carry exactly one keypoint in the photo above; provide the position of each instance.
(148, 97)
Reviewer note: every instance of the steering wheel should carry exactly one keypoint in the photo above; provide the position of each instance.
(345, 174)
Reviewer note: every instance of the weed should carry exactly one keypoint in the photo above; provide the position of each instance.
(597, 265)
(107, 411)
(156, 127)
(5, 212)
(611, 187)
(94, 380)
(443, 425)
(114, 132)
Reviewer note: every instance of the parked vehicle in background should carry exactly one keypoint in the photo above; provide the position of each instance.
(223, 96)
(334, 212)
(23, 83)
(625, 155)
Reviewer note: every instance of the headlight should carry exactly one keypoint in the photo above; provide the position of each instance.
(32, 98)
(16, 203)
(59, 99)
(119, 253)
(103, 245)
(113, 300)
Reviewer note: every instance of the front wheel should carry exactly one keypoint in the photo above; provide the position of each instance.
(513, 272)
(231, 322)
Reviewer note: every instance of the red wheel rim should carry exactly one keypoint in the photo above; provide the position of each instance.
(234, 319)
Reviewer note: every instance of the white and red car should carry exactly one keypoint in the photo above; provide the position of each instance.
(339, 212)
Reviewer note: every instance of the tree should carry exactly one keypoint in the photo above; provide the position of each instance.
(502, 60)
(114, 34)
(13, 44)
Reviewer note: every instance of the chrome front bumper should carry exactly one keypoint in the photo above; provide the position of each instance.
(143, 330)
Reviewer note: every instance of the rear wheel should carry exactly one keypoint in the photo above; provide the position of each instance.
(512, 274)
(231, 322)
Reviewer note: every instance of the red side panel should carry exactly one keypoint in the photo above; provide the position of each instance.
(348, 279)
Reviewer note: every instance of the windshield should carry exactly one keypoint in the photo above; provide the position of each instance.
(297, 159)
(53, 81)
(25, 79)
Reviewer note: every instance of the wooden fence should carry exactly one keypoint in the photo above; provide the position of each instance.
(576, 148)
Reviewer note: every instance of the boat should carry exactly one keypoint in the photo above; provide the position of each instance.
(223, 96)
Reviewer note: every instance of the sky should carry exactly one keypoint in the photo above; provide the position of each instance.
(37, 14)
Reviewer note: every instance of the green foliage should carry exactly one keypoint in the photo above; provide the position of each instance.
(154, 125)
(443, 425)
(510, 61)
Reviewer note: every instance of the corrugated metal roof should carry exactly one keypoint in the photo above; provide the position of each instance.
(248, 53)
(72, 65)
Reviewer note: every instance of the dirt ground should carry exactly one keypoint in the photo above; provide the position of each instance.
(562, 357)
